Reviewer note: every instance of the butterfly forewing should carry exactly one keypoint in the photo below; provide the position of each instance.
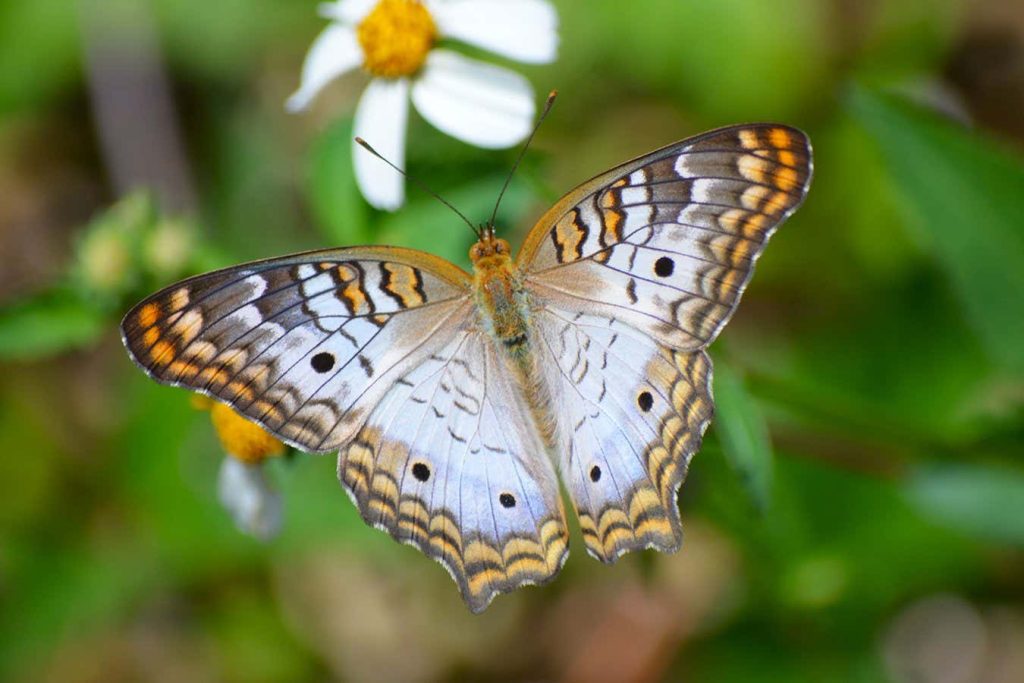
(668, 241)
(303, 344)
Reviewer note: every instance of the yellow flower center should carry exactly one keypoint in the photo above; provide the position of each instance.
(396, 37)
(242, 439)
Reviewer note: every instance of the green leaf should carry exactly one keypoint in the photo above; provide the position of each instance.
(40, 53)
(983, 501)
(741, 428)
(49, 324)
(340, 211)
(965, 195)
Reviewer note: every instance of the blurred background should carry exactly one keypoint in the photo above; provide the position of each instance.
(856, 513)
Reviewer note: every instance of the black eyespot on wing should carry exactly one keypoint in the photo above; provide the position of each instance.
(421, 471)
(507, 500)
(664, 266)
(322, 362)
(645, 401)
(595, 474)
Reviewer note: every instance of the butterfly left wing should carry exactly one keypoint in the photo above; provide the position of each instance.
(435, 441)
(302, 344)
(667, 242)
(448, 461)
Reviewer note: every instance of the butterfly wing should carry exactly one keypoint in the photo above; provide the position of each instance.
(449, 462)
(304, 344)
(375, 352)
(667, 242)
(634, 273)
(633, 413)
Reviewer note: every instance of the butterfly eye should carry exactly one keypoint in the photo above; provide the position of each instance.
(645, 401)
(322, 362)
(664, 266)
(421, 471)
(507, 500)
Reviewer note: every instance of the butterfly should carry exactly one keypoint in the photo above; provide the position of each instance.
(459, 401)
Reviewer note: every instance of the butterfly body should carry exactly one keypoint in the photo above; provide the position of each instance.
(502, 300)
(505, 306)
(457, 401)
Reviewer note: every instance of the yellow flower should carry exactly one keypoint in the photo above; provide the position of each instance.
(242, 439)
(396, 37)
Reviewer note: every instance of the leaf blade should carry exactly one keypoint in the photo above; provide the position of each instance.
(964, 195)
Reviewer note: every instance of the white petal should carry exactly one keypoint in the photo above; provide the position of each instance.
(243, 490)
(347, 11)
(381, 118)
(482, 104)
(524, 30)
(334, 52)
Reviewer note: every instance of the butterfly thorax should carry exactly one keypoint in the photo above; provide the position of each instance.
(502, 301)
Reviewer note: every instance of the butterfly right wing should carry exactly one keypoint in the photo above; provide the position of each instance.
(667, 242)
(632, 414)
(632, 275)
(303, 344)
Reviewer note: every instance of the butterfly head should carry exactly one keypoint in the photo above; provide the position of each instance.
(489, 252)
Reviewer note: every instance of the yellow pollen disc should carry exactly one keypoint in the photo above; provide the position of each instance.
(396, 37)
(244, 440)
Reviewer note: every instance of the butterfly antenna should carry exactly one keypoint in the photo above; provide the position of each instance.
(547, 107)
(365, 145)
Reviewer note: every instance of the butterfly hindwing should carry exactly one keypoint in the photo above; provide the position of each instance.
(668, 241)
(633, 413)
(448, 461)
(298, 343)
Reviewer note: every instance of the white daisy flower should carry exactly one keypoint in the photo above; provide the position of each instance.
(395, 41)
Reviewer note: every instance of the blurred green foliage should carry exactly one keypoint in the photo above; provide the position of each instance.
(964, 194)
(866, 451)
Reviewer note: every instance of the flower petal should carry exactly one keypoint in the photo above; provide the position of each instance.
(482, 104)
(334, 52)
(381, 118)
(243, 490)
(524, 30)
(347, 11)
